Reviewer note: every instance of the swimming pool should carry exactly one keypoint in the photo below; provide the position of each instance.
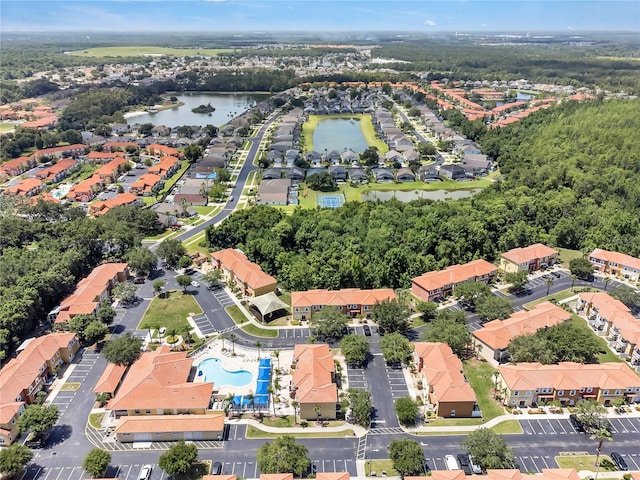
(214, 371)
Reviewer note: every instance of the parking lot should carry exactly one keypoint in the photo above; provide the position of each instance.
(535, 463)
(397, 382)
(80, 372)
(541, 280)
(122, 472)
(564, 427)
(356, 378)
(204, 324)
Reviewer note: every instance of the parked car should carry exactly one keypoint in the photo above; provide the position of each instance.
(366, 330)
(577, 424)
(145, 472)
(556, 274)
(465, 465)
(216, 469)
(138, 280)
(475, 467)
(35, 440)
(195, 284)
(451, 462)
(618, 461)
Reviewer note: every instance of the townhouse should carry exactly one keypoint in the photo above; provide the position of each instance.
(619, 264)
(25, 188)
(162, 150)
(24, 376)
(102, 157)
(495, 336)
(116, 146)
(445, 391)
(612, 319)
(247, 276)
(527, 384)
(86, 190)
(17, 166)
(313, 382)
(90, 292)
(353, 302)
(58, 172)
(438, 284)
(102, 207)
(109, 172)
(60, 152)
(157, 387)
(146, 184)
(528, 259)
(166, 167)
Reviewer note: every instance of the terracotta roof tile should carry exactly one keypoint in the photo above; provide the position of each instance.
(338, 298)
(528, 254)
(455, 274)
(313, 376)
(247, 272)
(110, 378)
(616, 257)
(170, 423)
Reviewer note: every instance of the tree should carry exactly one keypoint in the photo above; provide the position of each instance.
(429, 310)
(94, 332)
(627, 295)
(212, 277)
(407, 456)
(359, 400)
(329, 322)
(125, 292)
(323, 182)
(184, 281)
(601, 435)
(233, 337)
(158, 285)
(171, 250)
(79, 324)
(106, 314)
(407, 410)
(517, 280)
(581, 267)
(38, 418)
(179, 458)
(606, 280)
(123, 350)
(489, 449)
(185, 262)
(472, 292)
(549, 282)
(395, 348)
(142, 260)
(96, 462)
(258, 345)
(370, 156)
(14, 458)
(492, 307)
(222, 175)
(391, 315)
(355, 349)
(450, 328)
(283, 455)
(193, 152)
(591, 414)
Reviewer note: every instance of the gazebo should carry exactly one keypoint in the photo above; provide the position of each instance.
(265, 305)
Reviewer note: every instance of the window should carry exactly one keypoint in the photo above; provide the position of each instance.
(589, 389)
(528, 394)
(618, 392)
(572, 393)
(605, 392)
(296, 309)
(515, 394)
(582, 390)
(366, 307)
(560, 393)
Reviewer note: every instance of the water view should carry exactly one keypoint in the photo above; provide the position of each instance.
(403, 196)
(227, 106)
(339, 134)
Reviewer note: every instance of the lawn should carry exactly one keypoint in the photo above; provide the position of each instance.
(449, 185)
(5, 127)
(236, 314)
(70, 387)
(171, 311)
(365, 126)
(508, 426)
(256, 331)
(480, 377)
(558, 296)
(253, 432)
(585, 462)
(567, 255)
(380, 466)
(138, 50)
(608, 355)
(95, 420)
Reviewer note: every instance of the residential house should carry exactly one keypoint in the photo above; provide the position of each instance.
(25, 188)
(333, 156)
(110, 172)
(90, 292)
(17, 166)
(411, 155)
(272, 174)
(190, 199)
(61, 152)
(528, 259)
(57, 172)
(24, 376)
(405, 174)
(358, 175)
(166, 167)
(476, 164)
(163, 151)
(313, 157)
(146, 184)
(496, 335)
(438, 284)
(86, 190)
(101, 207)
(110, 380)
(382, 175)
(273, 192)
(349, 156)
(353, 302)
(247, 276)
(614, 263)
(528, 384)
(338, 172)
(453, 172)
(428, 174)
(446, 390)
(315, 171)
(313, 382)
(115, 146)
(612, 319)
(295, 174)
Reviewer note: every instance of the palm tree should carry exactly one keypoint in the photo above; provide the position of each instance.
(295, 404)
(223, 337)
(496, 374)
(573, 280)
(232, 337)
(252, 400)
(317, 410)
(548, 282)
(601, 435)
(258, 345)
(186, 331)
(272, 394)
(606, 281)
(276, 355)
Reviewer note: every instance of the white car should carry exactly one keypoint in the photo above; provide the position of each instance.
(145, 473)
(195, 284)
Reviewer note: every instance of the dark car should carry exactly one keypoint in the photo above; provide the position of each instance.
(366, 330)
(35, 440)
(463, 460)
(618, 461)
(138, 280)
(577, 424)
(556, 274)
(216, 469)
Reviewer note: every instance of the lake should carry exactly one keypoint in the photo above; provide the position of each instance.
(227, 105)
(403, 196)
(338, 134)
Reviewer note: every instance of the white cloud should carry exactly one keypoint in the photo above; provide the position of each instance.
(429, 23)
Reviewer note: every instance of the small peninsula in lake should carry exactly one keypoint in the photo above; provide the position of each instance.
(204, 109)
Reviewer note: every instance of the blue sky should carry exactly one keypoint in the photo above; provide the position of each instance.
(318, 15)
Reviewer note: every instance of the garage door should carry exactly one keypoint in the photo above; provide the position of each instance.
(142, 437)
(188, 435)
(197, 435)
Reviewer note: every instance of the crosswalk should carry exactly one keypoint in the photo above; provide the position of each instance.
(385, 431)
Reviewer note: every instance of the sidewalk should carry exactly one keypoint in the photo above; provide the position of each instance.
(359, 431)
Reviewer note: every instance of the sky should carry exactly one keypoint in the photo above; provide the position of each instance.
(319, 15)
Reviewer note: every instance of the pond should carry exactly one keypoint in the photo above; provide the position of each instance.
(404, 196)
(227, 106)
(339, 134)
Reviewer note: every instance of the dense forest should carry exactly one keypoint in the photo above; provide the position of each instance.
(46, 251)
(571, 178)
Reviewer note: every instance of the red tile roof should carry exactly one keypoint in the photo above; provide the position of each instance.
(61, 166)
(102, 207)
(247, 272)
(615, 257)
(313, 376)
(528, 254)
(170, 423)
(340, 298)
(110, 378)
(455, 274)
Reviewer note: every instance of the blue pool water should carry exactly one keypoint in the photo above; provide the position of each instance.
(213, 371)
(261, 397)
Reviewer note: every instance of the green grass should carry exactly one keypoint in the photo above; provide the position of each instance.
(252, 329)
(208, 210)
(449, 185)
(585, 462)
(168, 184)
(366, 127)
(253, 432)
(380, 466)
(455, 422)
(95, 420)
(558, 296)
(236, 314)
(5, 127)
(171, 311)
(480, 377)
(608, 355)
(70, 387)
(508, 426)
(138, 50)
(280, 422)
(567, 255)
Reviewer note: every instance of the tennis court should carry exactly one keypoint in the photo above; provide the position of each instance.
(330, 201)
